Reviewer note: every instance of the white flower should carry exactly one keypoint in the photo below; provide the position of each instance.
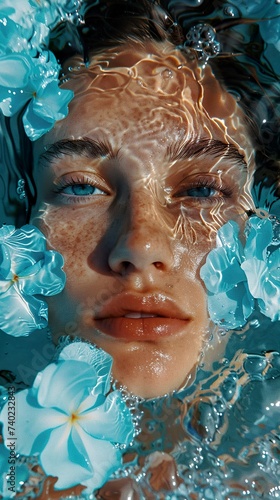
(69, 419)
(27, 270)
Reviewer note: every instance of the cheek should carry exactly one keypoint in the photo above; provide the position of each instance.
(194, 238)
(72, 233)
(196, 228)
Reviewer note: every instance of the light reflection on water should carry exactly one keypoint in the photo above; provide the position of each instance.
(223, 430)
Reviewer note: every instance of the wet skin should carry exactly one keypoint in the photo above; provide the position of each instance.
(132, 187)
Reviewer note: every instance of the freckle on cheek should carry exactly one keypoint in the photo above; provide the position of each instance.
(74, 237)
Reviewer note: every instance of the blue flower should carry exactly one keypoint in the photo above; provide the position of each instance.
(237, 276)
(32, 20)
(23, 80)
(229, 300)
(69, 419)
(25, 11)
(53, 11)
(262, 265)
(18, 10)
(27, 270)
(13, 38)
(19, 24)
(28, 70)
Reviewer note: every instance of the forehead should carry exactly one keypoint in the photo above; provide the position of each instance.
(146, 89)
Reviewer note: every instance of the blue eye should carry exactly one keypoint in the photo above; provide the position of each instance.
(82, 190)
(201, 192)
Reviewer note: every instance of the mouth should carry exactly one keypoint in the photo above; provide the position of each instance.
(148, 318)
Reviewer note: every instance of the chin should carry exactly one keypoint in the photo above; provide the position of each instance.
(151, 380)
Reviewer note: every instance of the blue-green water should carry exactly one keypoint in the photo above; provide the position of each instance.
(219, 438)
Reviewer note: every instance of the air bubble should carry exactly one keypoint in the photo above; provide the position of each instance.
(231, 11)
(254, 365)
(229, 387)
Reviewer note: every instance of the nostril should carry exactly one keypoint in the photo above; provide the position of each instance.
(124, 266)
(138, 251)
(158, 265)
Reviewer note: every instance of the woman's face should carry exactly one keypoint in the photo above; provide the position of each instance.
(132, 187)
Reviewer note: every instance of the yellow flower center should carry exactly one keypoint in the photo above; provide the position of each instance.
(15, 278)
(73, 418)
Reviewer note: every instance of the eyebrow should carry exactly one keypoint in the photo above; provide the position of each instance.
(87, 147)
(187, 149)
(190, 149)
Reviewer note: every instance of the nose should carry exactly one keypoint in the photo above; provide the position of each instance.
(143, 243)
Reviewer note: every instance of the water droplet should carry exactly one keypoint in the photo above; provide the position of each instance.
(167, 74)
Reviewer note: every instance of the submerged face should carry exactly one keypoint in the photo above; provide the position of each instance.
(132, 187)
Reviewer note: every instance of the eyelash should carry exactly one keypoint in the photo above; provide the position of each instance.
(201, 183)
(206, 183)
(75, 181)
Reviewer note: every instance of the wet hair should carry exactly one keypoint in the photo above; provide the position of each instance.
(110, 23)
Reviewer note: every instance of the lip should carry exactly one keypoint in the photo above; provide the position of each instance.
(141, 317)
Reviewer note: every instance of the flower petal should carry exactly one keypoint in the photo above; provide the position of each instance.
(227, 237)
(15, 71)
(52, 102)
(101, 360)
(222, 271)
(32, 421)
(259, 238)
(110, 421)
(57, 460)
(24, 246)
(231, 309)
(264, 283)
(26, 269)
(104, 457)
(34, 125)
(255, 271)
(21, 315)
(45, 277)
(37, 120)
(71, 382)
(29, 237)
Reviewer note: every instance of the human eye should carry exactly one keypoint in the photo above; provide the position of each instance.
(203, 190)
(79, 189)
